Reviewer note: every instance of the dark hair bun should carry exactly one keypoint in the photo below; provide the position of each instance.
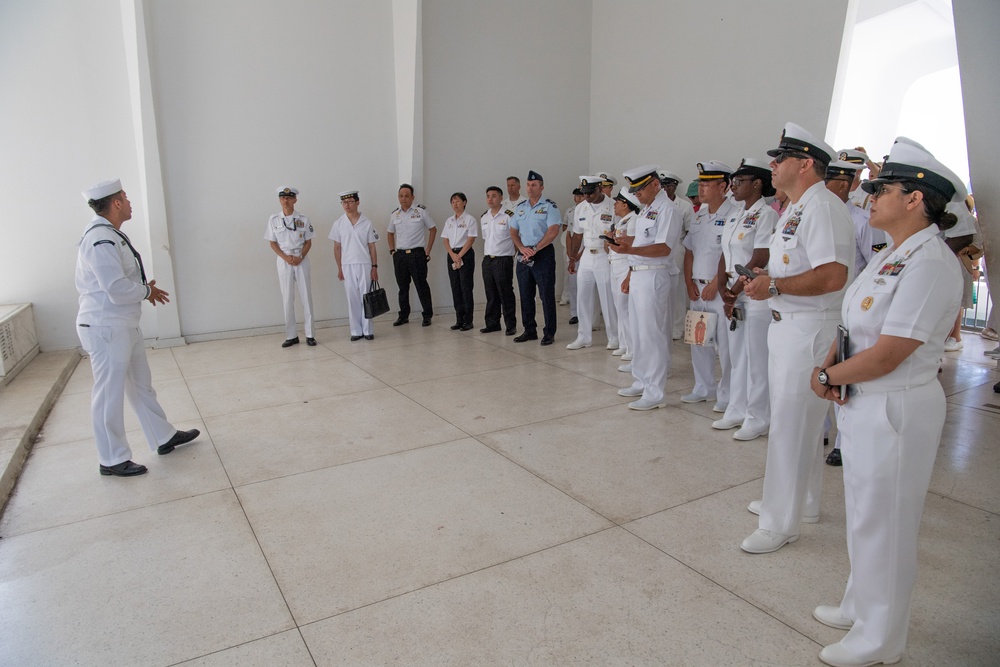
(947, 221)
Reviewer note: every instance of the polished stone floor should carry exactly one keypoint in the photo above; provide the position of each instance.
(441, 498)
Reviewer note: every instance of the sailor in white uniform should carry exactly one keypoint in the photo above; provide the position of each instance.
(112, 284)
(354, 238)
(745, 242)
(811, 262)
(650, 281)
(290, 236)
(626, 208)
(897, 314)
(701, 268)
(594, 218)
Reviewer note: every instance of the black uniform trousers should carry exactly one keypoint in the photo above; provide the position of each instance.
(462, 280)
(498, 279)
(541, 274)
(407, 265)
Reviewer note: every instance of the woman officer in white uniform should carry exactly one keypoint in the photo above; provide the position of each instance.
(897, 313)
(626, 208)
(745, 241)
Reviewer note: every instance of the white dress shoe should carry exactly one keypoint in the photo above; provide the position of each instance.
(748, 434)
(693, 398)
(763, 541)
(830, 615)
(577, 345)
(952, 345)
(612, 345)
(625, 368)
(754, 508)
(619, 352)
(630, 392)
(726, 424)
(720, 407)
(645, 404)
(838, 656)
(627, 357)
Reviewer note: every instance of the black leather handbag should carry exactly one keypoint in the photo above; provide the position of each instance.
(375, 300)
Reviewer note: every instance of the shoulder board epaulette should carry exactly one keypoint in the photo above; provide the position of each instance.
(109, 242)
(509, 212)
(552, 202)
(421, 206)
(485, 212)
(396, 210)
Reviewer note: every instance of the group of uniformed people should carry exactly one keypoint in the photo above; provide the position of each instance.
(793, 328)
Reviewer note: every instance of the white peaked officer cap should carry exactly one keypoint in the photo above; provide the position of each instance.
(907, 162)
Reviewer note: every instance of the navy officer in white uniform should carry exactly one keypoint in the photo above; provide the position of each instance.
(112, 284)
(594, 217)
(354, 237)
(897, 313)
(701, 272)
(650, 282)
(290, 236)
(811, 262)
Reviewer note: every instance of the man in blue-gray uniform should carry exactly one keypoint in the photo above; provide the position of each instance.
(534, 227)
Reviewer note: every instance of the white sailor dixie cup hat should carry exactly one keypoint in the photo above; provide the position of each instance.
(800, 142)
(638, 178)
(102, 190)
(909, 162)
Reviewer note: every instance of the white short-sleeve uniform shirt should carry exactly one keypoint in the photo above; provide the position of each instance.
(290, 232)
(354, 239)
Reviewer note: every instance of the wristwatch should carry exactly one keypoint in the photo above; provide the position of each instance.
(773, 287)
(823, 378)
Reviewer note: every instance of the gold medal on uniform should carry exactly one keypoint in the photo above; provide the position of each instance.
(867, 302)
(740, 237)
(784, 258)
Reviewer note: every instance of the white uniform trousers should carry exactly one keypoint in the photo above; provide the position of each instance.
(681, 304)
(120, 369)
(793, 478)
(749, 401)
(357, 280)
(288, 275)
(703, 356)
(890, 442)
(595, 272)
(619, 270)
(570, 291)
(649, 314)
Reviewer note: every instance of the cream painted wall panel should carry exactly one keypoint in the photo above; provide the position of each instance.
(506, 89)
(731, 73)
(65, 123)
(249, 98)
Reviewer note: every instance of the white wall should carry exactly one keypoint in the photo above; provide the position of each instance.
(65, 123)
(676, 83)
(252, 98)
(495, 107)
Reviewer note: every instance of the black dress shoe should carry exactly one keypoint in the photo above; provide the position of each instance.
(574, 320)
(466, 327)
(370, 337)
(311, 342)
(455, 327)
(834, 458)
(290, 342)
(400, 321)
(525, 337)
(354, 338)
(548, 340)
(489, 329)
(426, 322)
(124, 469)
(180, 438)
(511, 331)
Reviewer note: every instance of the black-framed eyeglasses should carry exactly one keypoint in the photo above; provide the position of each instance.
(781, 157)
(740, 180)
(881, 188)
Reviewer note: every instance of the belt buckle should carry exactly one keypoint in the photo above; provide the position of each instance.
(593, 251)
(776, 316)
(408, 251)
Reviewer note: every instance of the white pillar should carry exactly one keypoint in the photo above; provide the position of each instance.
(158, 265)
(406, 29)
